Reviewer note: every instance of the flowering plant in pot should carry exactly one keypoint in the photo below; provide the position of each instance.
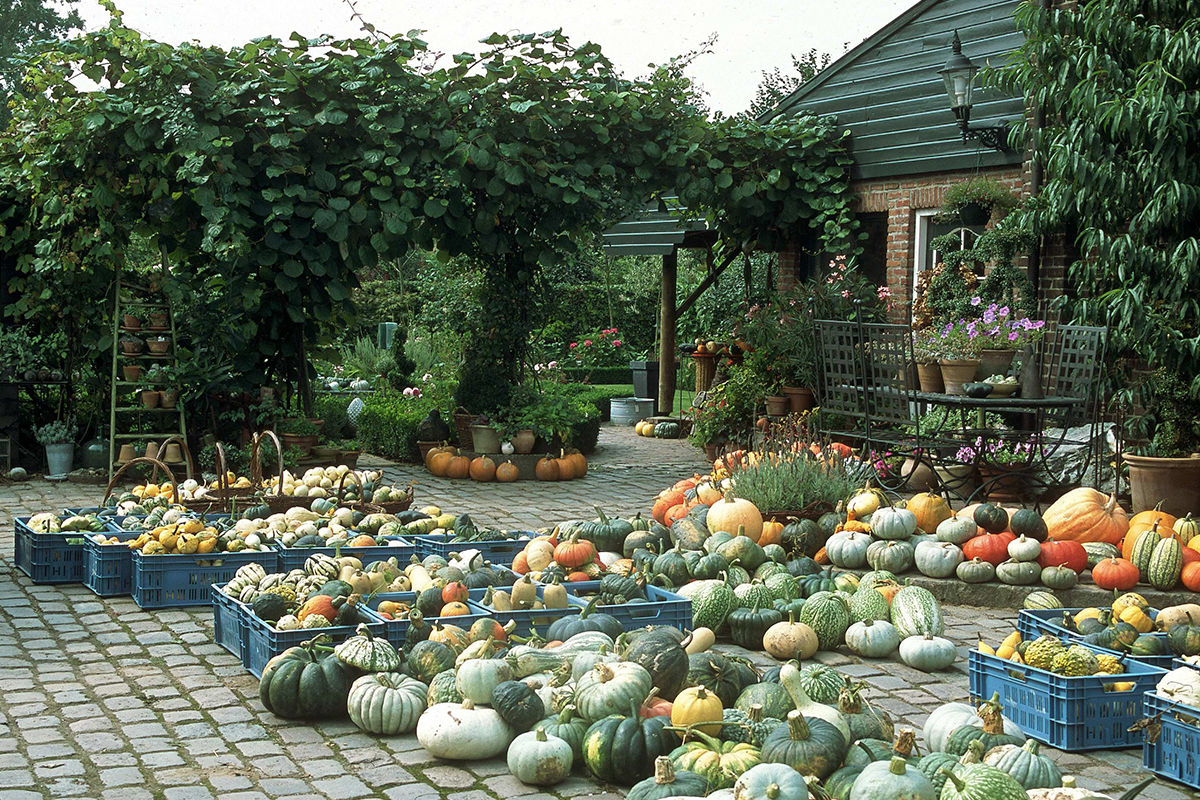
(1001, 332)
(956, 345)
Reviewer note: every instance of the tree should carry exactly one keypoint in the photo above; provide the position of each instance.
(1118, 81)
(26, 26)
(776, 84)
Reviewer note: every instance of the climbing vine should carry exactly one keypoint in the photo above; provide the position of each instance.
(269, 173)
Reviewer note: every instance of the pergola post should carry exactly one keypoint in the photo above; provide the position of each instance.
(666, 347)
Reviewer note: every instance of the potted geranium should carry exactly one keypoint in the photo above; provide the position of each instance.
(58, 438)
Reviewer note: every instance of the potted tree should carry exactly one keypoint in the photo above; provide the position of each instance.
(298, 433)
(58, 438)
(1165, 473)
(973, 201)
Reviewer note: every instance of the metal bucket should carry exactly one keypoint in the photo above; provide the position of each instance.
(630, 410)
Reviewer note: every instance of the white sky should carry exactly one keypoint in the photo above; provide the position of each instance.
(754, 35)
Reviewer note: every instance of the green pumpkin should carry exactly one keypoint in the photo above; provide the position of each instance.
(866, 721)
(1149, 644)
(1026, 765)
(660, 655)
(803, 537)
(829, 521)
(789, 607)
(368, 653)
(622, 749)
(809, 745)
(604, 533)
(427, 659)
(815, 584)
(720, 763)
(651, 538)
(443, 689)
(991, 518)
(706, 567)
(803, 566)
(960, 740)
(1184, 639)
(569, 727)
(744, 550)
(749, 727)
(838, 785)
(668, 781)
(717, 674)
(748, 625)
(589, 619)
(888, 780)
(980, 782)
(828, 614)
(269, 607)
(301, 683)
(932, 764)
(1027, 522)
(609, 687)
(773, 698)
(518, 704)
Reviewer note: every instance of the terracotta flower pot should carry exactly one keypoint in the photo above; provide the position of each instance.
(1003, 485)
(800, 398)
(168, 398)
(149, 398)
(151, 450)
(956, 373)
(157, 320)
(127, 453)
(994, 362)
(173, 454)
(159, 346)
(777, 405)
(1173, 481)
(131, 322)
(929, 376)
(132, 348)
(523, 442)
(302, 443)
(131, 372)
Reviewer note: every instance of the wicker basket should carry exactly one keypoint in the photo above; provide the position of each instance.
(224, 497)
(278, 502)
(462, 425)
(391, 507)
(155, 463)
(812, 511)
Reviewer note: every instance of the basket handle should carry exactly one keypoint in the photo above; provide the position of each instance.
(153, 475)
(187, 454)
(256, 457)
(222, 472)
(342, 483)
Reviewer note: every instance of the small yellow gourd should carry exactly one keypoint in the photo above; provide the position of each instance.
(696, 704)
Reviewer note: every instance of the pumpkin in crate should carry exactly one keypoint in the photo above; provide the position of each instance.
(301, 683)
(368, 653)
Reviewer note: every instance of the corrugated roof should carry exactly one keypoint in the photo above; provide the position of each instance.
(655, 231)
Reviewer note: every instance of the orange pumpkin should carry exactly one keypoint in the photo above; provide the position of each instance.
(362, 540)
(321, 605)
(578, 577)
(483, 469)
(772, 533)
(433, 451)
(1115, 573)
(665, 501)
(575, 552)
(459, 467)
(930, 511)
(677, 512)
(546, 469)
(507, 472)
(821, 557)
(452, 636)
(655, 706)
(888, 589)
(1086, 515)
(520, 563)
(579, 461)
(566, 467)
(455, 609)
(1190, 577)
(1190, 555)
(440, 462)
(685, 484)
(455, 591)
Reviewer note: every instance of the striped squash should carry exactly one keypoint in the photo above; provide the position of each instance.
(1142, 551)
(1166, 562)
(1098, 551)
(1040, 599)
(915, 611)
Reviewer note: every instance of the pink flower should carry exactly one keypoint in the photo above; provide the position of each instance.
(587, 342)
(845, 292)
(1012, 337)
(552, 365)
(976, 301)
(573, 345)
(616, 343)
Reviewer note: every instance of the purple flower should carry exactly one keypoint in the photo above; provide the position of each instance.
(1012, 337)
(1004, 311)
(976, 301)
(989, 316)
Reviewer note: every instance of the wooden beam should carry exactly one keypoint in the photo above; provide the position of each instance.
(708, 281)
(666, 345)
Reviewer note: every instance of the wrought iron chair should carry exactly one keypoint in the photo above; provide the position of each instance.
(1080, 363)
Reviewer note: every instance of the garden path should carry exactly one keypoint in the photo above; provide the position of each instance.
(99, 699)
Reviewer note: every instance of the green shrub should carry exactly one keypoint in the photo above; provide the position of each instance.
(594, 375)
(388, 423)
(332, 409)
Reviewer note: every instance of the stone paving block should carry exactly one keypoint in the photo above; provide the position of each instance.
(343, 787)
(449, 777)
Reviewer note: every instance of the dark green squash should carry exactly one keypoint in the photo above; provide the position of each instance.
(261, 511)
(269, 607)
(809, 745)
(802, 537)
(690, 531)
(301, 683)
(664, 659)
(745, 551)
(427, 659)
(748, 625)
(334, 588)
(589, 619)
(992, 518)
(829, 521)
(655, 537)
(786, 607)
(811, 584)
(774, 699)
(418, 630)
(622, 750)
(430, 602)
(668, 782)
(1028, 523)
(717, 674)
(624, 586)
(671, 565)
(707, 566)
(518, 704)
(604, 533)
(838, 785)
(1184, 639)
(803, 566)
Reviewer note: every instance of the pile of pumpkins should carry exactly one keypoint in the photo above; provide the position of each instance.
(666, 429)
(1129, 625)
(325, 482)
(324, 524)
(653, 710)
(448, 462)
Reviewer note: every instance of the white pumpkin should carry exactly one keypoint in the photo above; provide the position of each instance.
(463, 732)
(1180, 685)
(948, 717)
(507, 448)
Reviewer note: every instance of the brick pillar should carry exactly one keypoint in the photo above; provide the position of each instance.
(789, 267)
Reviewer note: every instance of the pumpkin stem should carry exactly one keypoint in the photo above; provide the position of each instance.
(755, 712)
(990, 713)
(467, 703)
(773, 792)
(564, 717)
(540, 734)
(954, 779)
(898, 765)
(797, 727)
(905, 741)
(603, 671)
(664, 771)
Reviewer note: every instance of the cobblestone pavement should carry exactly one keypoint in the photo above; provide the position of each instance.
(99, 699)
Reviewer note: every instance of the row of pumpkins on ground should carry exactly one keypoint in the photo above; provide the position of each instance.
(449, 462)
(1082, 530)
(654, 710)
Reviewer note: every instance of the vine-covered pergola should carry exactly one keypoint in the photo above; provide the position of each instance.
(278, 169)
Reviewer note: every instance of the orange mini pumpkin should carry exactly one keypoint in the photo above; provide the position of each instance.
(321, 605)
(459, 467)
(507, 472)
(566, 467)
(483, 469)
(455, 591)
(665, 502)
(455, 609)
(362, 540)
(772, 533)
(546, 469)
(439, 462)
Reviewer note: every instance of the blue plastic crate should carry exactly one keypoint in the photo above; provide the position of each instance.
(51, 557)
(501, 551)
(1071, 714)
(395, 629)
(109, 567)
(1033, 622)
(291, 558)
(1175, 754)
(527, 620)
(662, 608)
(230, 619)
(263, 642)
(171, 581)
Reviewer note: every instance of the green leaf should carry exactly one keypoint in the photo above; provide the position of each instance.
(324, 180)
(434, 207)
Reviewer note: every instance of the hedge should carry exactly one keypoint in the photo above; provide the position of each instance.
(388, 423)
(599, 374)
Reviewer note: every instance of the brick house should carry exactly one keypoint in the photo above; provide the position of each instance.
(907, 145)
